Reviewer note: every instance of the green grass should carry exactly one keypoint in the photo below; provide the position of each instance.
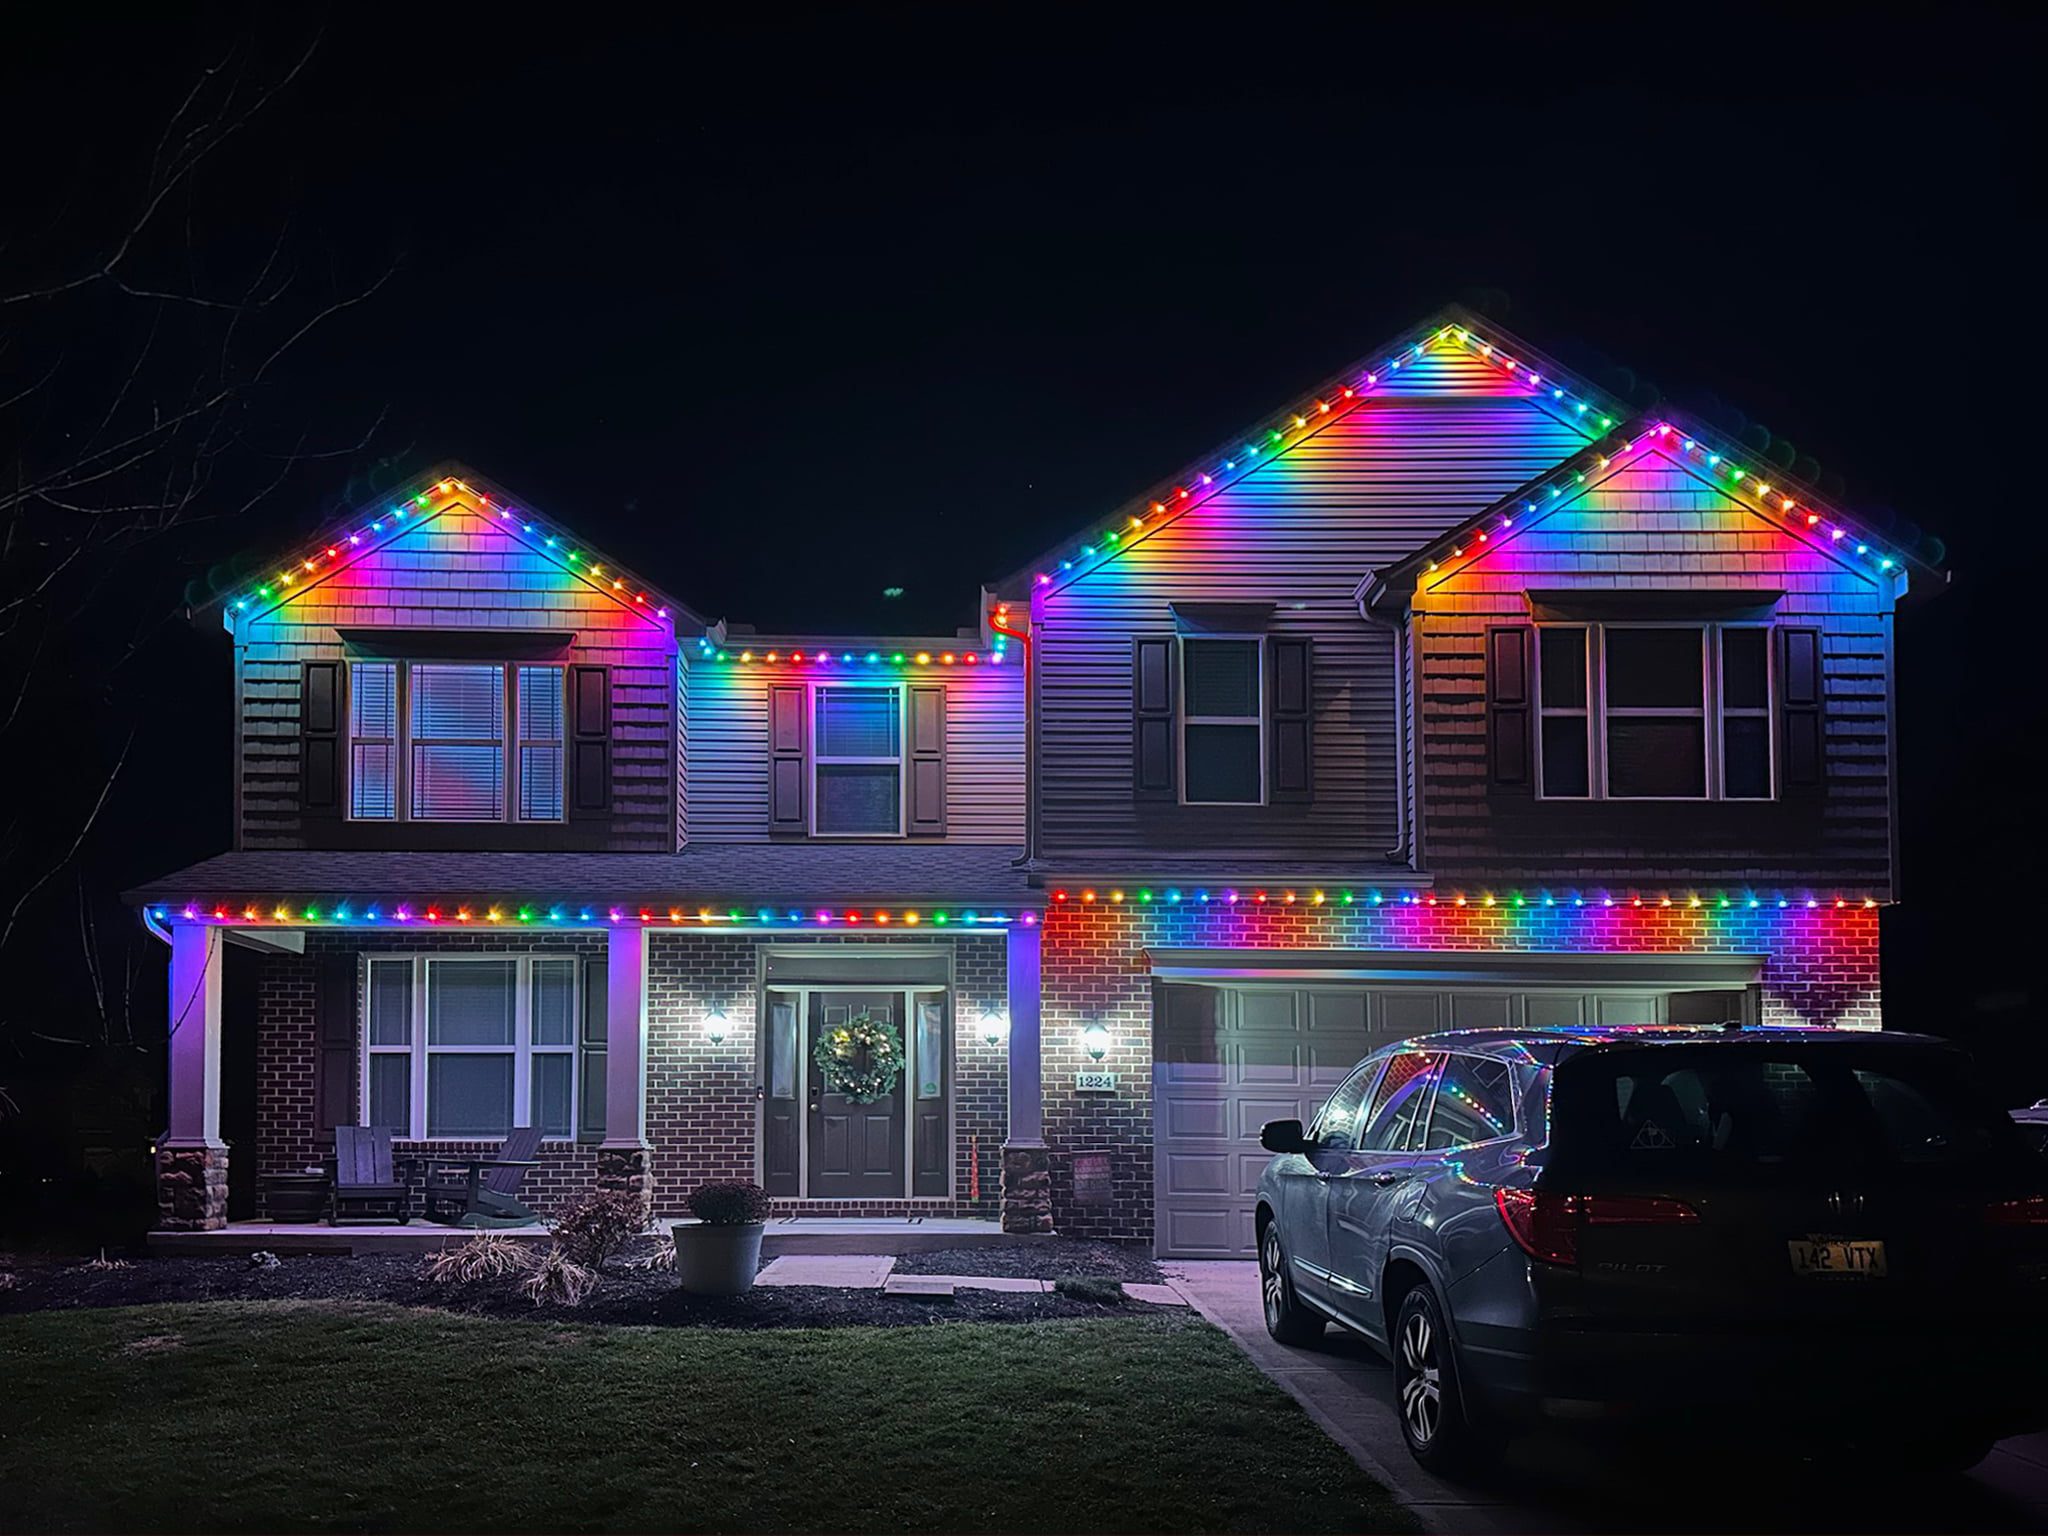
(310, 1416)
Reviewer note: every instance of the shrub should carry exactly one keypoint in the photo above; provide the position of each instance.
(1096, 1288)
(7, 1281)
(558, 1278)
(487, 1256)
(592, 1229)
(662, 1257)
(729, 1203)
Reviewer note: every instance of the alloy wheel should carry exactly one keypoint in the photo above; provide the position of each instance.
(1272, 1283)
(1421, 1385)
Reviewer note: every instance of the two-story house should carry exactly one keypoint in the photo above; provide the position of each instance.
(1454, 693)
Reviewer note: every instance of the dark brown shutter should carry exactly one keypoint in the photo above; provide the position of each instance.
(321, 715)
(590, 1060)
(787, 769)
(927, 760)
(1152, 729)
(334, 1019)
(1507, 707)
(590, 742)
(1804, 764)
(1290, 686)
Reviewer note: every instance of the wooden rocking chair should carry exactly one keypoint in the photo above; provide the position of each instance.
(483, 1191)
(367, 1183)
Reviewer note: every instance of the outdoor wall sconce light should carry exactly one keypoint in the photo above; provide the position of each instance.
(715, 1027)
(1095, 1041)
(994, 1027)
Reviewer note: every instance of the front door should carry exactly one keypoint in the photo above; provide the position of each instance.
(855, 1151)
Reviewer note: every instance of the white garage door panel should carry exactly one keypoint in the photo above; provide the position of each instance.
(1233, 1055)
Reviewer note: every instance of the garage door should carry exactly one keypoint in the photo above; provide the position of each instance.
(1229, 1056)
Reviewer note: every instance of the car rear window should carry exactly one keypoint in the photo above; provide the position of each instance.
(1746, 1111)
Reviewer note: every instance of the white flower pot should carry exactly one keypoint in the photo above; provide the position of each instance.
(717, 1260)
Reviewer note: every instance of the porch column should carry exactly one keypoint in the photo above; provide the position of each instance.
(192, 1160)
(622, 1161)
(1027, 1165)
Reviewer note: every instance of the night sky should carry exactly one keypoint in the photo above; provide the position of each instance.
(785, 312)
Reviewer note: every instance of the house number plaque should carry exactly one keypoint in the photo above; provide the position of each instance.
(1095, 1082)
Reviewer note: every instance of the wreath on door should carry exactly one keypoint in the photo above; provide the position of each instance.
(861, 1058)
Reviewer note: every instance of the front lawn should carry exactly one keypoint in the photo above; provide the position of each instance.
(288, 1415)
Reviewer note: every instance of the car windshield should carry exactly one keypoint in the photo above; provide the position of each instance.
(1745, 1112)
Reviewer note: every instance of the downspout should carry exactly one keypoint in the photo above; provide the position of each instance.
(998, 621)
(1402, 851)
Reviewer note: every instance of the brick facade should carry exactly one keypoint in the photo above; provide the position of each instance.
(1821, 968)
(702, 1112)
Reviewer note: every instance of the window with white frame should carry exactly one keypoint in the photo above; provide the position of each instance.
(455, 741)
(1654, 711)
(857, 760)
(1222, 757)
(467, 1048)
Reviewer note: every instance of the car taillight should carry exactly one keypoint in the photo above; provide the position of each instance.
(2029, 1211)
(1545, 1224)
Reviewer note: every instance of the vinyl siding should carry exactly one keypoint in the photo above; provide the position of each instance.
(456, 571)
(727, 770)
(1657, 526)
(1300, 533)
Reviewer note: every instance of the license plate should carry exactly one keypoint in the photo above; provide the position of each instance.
(1837, 1256)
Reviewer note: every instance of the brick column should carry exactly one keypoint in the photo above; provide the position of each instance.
(1027, 1164)
(192, 1161)
(622, 1162)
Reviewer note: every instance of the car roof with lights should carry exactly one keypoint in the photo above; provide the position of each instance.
(1552, 1044)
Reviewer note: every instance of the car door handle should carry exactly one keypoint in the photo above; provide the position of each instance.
(1385, 1177)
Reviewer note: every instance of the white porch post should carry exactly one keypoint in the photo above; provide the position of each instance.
(192, 1163)
(1027, 1165)
(623, 1161)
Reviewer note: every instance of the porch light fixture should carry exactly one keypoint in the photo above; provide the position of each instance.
(994, 1027)
(715, 1027)
(1095, 1041)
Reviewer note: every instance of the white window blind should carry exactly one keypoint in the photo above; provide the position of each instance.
(540, 743)
(373, 740)
(458, 742)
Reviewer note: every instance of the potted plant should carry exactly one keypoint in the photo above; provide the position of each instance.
(296, 1197)
(718, 1253)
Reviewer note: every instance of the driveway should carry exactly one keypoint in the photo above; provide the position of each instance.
(1553, 1483)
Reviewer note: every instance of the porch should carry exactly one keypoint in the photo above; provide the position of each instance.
(661, 1042)
(786, 1235)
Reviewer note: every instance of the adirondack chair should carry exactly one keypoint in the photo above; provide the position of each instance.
(484, 1191)
(367, 1184)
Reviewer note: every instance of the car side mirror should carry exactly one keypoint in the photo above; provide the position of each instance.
(1284, 1136)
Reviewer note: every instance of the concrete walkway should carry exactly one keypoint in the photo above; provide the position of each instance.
(874, 1271)
(1551, 1482)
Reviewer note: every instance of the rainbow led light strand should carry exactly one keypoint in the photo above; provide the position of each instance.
(416, 914)
(1231, 896)
(824, 657)
(1575, 405)
(1570, 478)
(627, 589)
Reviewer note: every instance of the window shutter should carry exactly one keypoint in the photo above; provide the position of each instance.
(1507, 707)
(1290, 690)
(787, 733)
(590, 742)
(1152, 724)
(1804, 765)
(590, 1058)
(322, 719)
(335, 1019)
(927, 760)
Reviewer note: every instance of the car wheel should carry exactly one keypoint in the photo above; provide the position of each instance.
(1286, 1318)
(1440, 1434)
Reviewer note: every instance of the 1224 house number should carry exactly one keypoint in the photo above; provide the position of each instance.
(1095, 1082)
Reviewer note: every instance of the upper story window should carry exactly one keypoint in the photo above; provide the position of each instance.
(455, 741)
(857, 761)
(1654, 712)
(1222, 721)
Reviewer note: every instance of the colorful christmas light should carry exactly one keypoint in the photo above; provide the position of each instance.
(536, 916)
(405, 514)
(1567, 400)
(1316, 896)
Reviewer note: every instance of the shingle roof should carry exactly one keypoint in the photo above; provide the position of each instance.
(718, 874)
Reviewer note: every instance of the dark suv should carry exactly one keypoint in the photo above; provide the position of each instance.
(1834, 1230)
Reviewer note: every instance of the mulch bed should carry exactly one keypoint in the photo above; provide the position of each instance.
(1042, 1259)
(649, 1298)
